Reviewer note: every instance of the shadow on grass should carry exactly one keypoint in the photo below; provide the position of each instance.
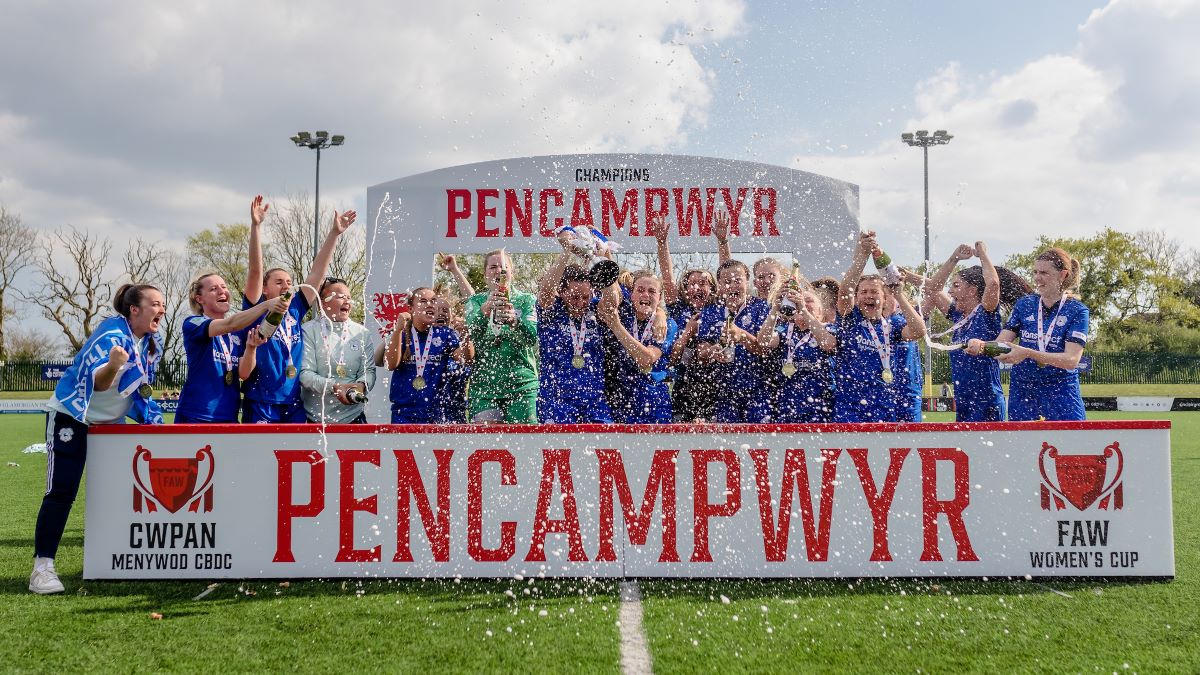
(753, 589)
(26, 543)
(180, 596)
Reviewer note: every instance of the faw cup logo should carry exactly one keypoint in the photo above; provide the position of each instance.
(1081, 479)
(172, 481)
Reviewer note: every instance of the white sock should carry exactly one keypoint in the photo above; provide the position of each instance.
(42, 563)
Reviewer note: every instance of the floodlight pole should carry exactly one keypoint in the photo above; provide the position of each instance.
(317, 141)
(317, 206)
(923, 139)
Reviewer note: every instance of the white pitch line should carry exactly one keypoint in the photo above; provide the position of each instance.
(635, 654)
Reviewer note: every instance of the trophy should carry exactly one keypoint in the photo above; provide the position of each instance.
(588, 245)
(786, 307)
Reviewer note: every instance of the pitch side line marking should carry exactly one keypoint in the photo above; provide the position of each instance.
(635, 655)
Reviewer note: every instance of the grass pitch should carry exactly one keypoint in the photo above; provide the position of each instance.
(560, 625)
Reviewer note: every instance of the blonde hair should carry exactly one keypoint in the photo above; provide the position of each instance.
(500, 252)
(660, 310)
(195, 290)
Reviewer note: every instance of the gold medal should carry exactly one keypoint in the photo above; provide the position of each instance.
(418, 383)
(887, 376)
(341, 370)
(291, 371)
(789, 369)
(229, 378)
(577, 361)
(146, 390)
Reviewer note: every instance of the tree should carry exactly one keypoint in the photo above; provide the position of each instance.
(32, 345)
(76, 298)
(289, 228)
(1136, 286)
(224, 251)
(288, 243)
(1115, 273)
(151, 263)
(17, 246)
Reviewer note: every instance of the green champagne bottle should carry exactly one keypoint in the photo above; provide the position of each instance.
(886, 268)
(994, 348)
(270, 323)
(502, 293)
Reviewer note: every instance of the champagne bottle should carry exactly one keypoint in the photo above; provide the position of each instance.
(727, 337)
(270, 323)
(885, 267)
(356, 396)
(501, 294)
(994, 348)
(788, 308)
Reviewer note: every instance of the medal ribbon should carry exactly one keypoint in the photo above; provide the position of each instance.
(287, 337)
(226, 349)
(884, 348)
(578, 336)
(1043, 339)
(792, 347)
(646, 331)
(327, 337)
(137, 355)
(421, 356)
(961, 322)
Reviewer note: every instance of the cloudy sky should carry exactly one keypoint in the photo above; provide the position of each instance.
(157, 120)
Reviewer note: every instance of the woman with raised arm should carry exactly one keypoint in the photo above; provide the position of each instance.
(503, 326)
(800, 349)
(728, 334)
(272, 388)
(111, 378)
(449, 263)
(570, 347)
(866, 389)
(694, 388)
(1050, 329)
(641, 335)
(973, 306)
(212, 392)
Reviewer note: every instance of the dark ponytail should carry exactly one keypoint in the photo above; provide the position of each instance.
(130, 295)
(1012, 286)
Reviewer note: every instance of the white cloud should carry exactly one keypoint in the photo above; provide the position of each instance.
(164, 118)
(1108, 135)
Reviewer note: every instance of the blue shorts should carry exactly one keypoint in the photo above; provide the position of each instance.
(973, 407)
(877, 406)
(565, 411)
(413, 415)
(184, 418)
(744, 407)
(1045, 400)
(804, 405)
(257, 412)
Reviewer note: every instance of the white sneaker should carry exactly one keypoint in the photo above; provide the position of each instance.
(44, 580)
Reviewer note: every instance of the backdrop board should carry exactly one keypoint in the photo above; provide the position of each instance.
(517, 203)
(1004, 499)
